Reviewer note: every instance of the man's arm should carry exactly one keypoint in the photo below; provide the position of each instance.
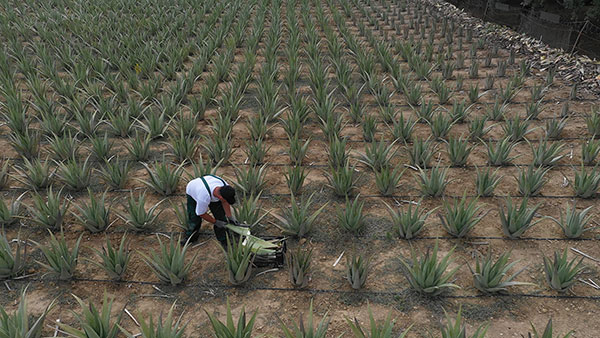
(208, 218)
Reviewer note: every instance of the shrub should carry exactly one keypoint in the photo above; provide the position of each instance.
(295, 179)
(547, 332)
(10, 214)
(427, 275)
(35, 174)
(163, 328)
(547, 155)
(75, 176)
(115, 173)
(500, 154)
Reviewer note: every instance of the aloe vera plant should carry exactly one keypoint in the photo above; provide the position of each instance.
(548, 330)
(75, 175)
(515, 220)
(342, 180)
(458, 329)
(375, 329)
(10, 214)
(388, 179)
(168, 264)
(573, 222)
(115, 172)
(163, 178)
(587, 182)
(137, 217)
(421, 153)
(409, 223)
(12, 264)
(590, 151)
(458, 151)
(461, 216)
(378, 155)
(297, 220)
(243, 328)
(50, 212)
(531, 180)
(491, 276)
(308, 329)
(499, 155)
(114, 261)
(427, 275)
(94, 215)
(238, 260)
(433, 184)
(294, 178)
(486, 182)
(168, 326)
(298, 262)
(357, 270)
(35, 174)
(547, 155)
(351, 217)
(19, 323)
(251, 181)
(94, 322)
(560, 272)
(402, 128)
(60, 260)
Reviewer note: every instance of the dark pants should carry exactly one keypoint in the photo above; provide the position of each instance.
(195, 221)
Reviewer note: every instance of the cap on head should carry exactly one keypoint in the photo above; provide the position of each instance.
(228, 193)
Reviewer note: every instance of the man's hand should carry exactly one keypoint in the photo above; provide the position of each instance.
(220, 224)
(233, 221)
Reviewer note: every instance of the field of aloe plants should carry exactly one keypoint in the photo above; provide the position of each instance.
(428, 182)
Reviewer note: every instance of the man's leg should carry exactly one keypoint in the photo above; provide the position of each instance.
(219, 214)
(194, 221)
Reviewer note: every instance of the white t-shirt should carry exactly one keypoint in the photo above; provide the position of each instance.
(197, 190)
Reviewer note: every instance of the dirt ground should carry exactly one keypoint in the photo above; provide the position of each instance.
(270, 293)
